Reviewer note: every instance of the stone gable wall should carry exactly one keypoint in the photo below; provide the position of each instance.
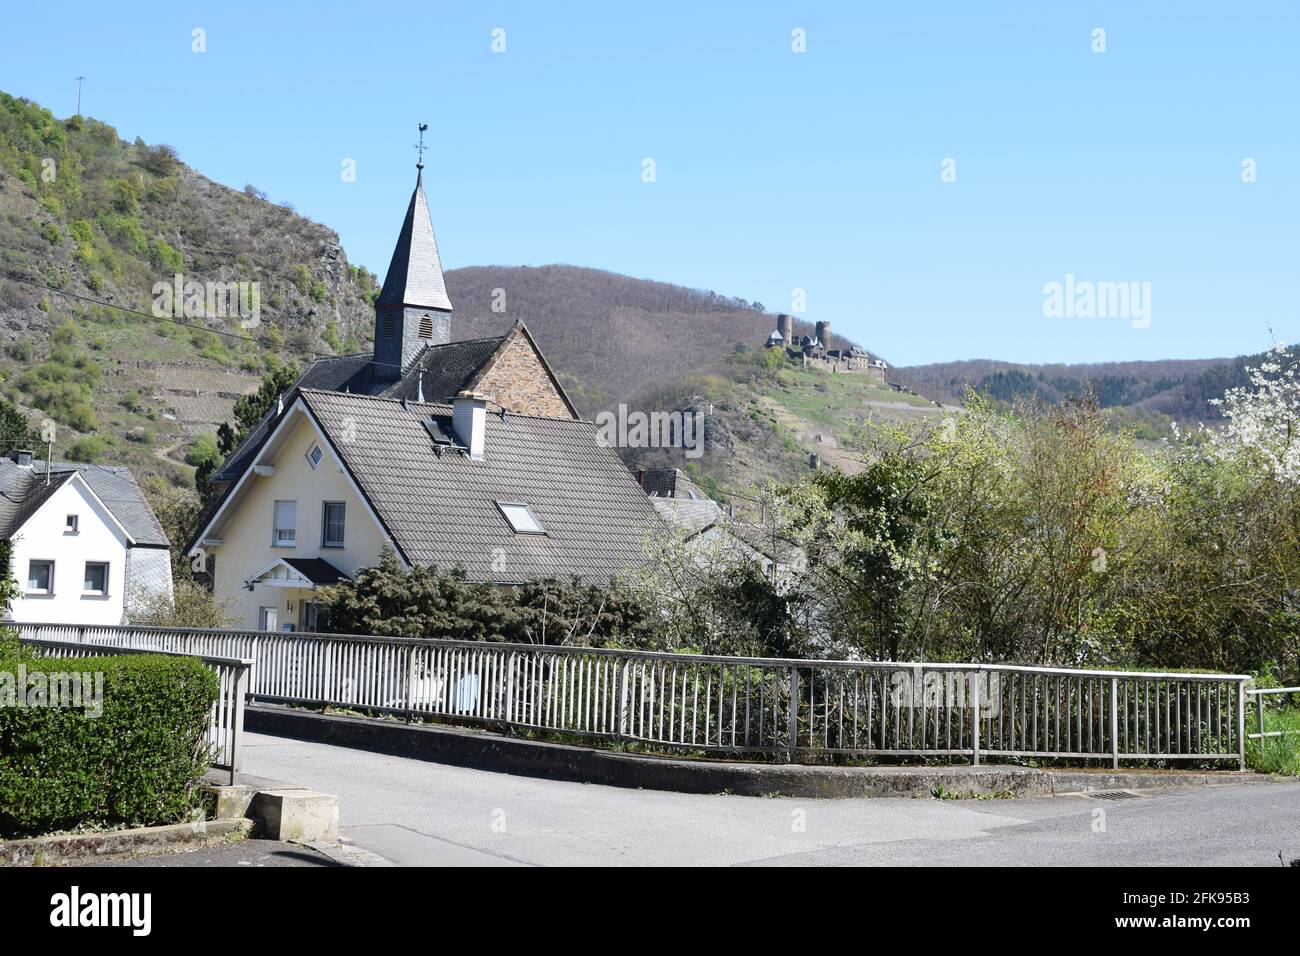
(519, 381)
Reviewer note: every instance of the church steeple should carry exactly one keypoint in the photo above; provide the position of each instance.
(413, 309)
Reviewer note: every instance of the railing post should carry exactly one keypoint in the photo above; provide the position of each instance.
(794, 712)
(1114, 722)
(237, 738)
(1240, 721)
(409, 666)
(622, 698)
(1259, 721)
(975, 720)
(81, 634)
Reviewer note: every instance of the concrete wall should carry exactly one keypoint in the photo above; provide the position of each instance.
(246, 534)
(44, 537)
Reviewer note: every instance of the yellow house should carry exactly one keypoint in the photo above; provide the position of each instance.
(465, 453)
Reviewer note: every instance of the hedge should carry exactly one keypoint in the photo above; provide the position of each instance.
(136, 764)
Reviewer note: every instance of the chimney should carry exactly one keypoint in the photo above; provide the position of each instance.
(785, 325)
(22, 457)
(469, 421)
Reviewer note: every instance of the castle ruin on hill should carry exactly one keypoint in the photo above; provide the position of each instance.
(811, 351)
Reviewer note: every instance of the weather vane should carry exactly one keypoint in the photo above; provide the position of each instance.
(420, 147)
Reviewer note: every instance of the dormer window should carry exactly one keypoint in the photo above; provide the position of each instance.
(521, 517)
(314, 455)
(70, 524)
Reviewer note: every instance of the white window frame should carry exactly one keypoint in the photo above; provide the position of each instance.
(325, 541)
(277, 541)
(28, 589)
(319, 453)
(509, 512)
(91, 592)
(264, 612)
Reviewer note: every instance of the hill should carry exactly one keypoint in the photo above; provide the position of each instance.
(88, 219)
(1147, 395)
(609, 336)
(85, 216)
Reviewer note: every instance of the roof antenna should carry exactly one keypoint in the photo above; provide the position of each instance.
(420, 147)
(419, 387)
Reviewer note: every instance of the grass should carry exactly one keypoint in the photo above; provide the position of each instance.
(1280, 755)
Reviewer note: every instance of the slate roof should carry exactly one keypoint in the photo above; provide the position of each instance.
(415, 272)
(23, 490)
(690, 515)
(447, 370)
(441, 509)
(317, 570)
(670, 483)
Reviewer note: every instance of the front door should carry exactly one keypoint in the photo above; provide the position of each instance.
(267, 619)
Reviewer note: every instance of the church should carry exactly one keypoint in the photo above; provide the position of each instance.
(452, 453)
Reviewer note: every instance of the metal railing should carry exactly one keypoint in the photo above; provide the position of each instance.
(1259, 693)
(773, 708)
(225, 730)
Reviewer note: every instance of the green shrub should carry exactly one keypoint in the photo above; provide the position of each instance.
(163, 256)
(137, 763)
(51, 234)
(202, 450)
(300, 276)
(87, 450)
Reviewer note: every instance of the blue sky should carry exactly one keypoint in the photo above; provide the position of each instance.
(774, 170)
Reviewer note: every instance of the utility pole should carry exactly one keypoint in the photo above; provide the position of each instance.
(79, 79)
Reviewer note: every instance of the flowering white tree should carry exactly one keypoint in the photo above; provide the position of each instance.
(1263, 417)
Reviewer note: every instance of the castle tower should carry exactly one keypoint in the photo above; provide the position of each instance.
(785, 325)
(413, 309)
(823, 333)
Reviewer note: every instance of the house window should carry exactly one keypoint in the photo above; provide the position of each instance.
(314, 455)
(521, 517)
(332, 524)
(285, 528)
(40, 577)
(70, 524)
(426, 327)
(96, 578)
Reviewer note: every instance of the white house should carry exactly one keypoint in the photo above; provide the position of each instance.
(84, 545)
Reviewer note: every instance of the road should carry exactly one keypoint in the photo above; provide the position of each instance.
(413, 812)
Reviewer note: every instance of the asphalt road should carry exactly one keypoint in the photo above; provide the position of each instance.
(413, 812)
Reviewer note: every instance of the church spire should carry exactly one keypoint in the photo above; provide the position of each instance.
(415, 273)
(413, 310)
